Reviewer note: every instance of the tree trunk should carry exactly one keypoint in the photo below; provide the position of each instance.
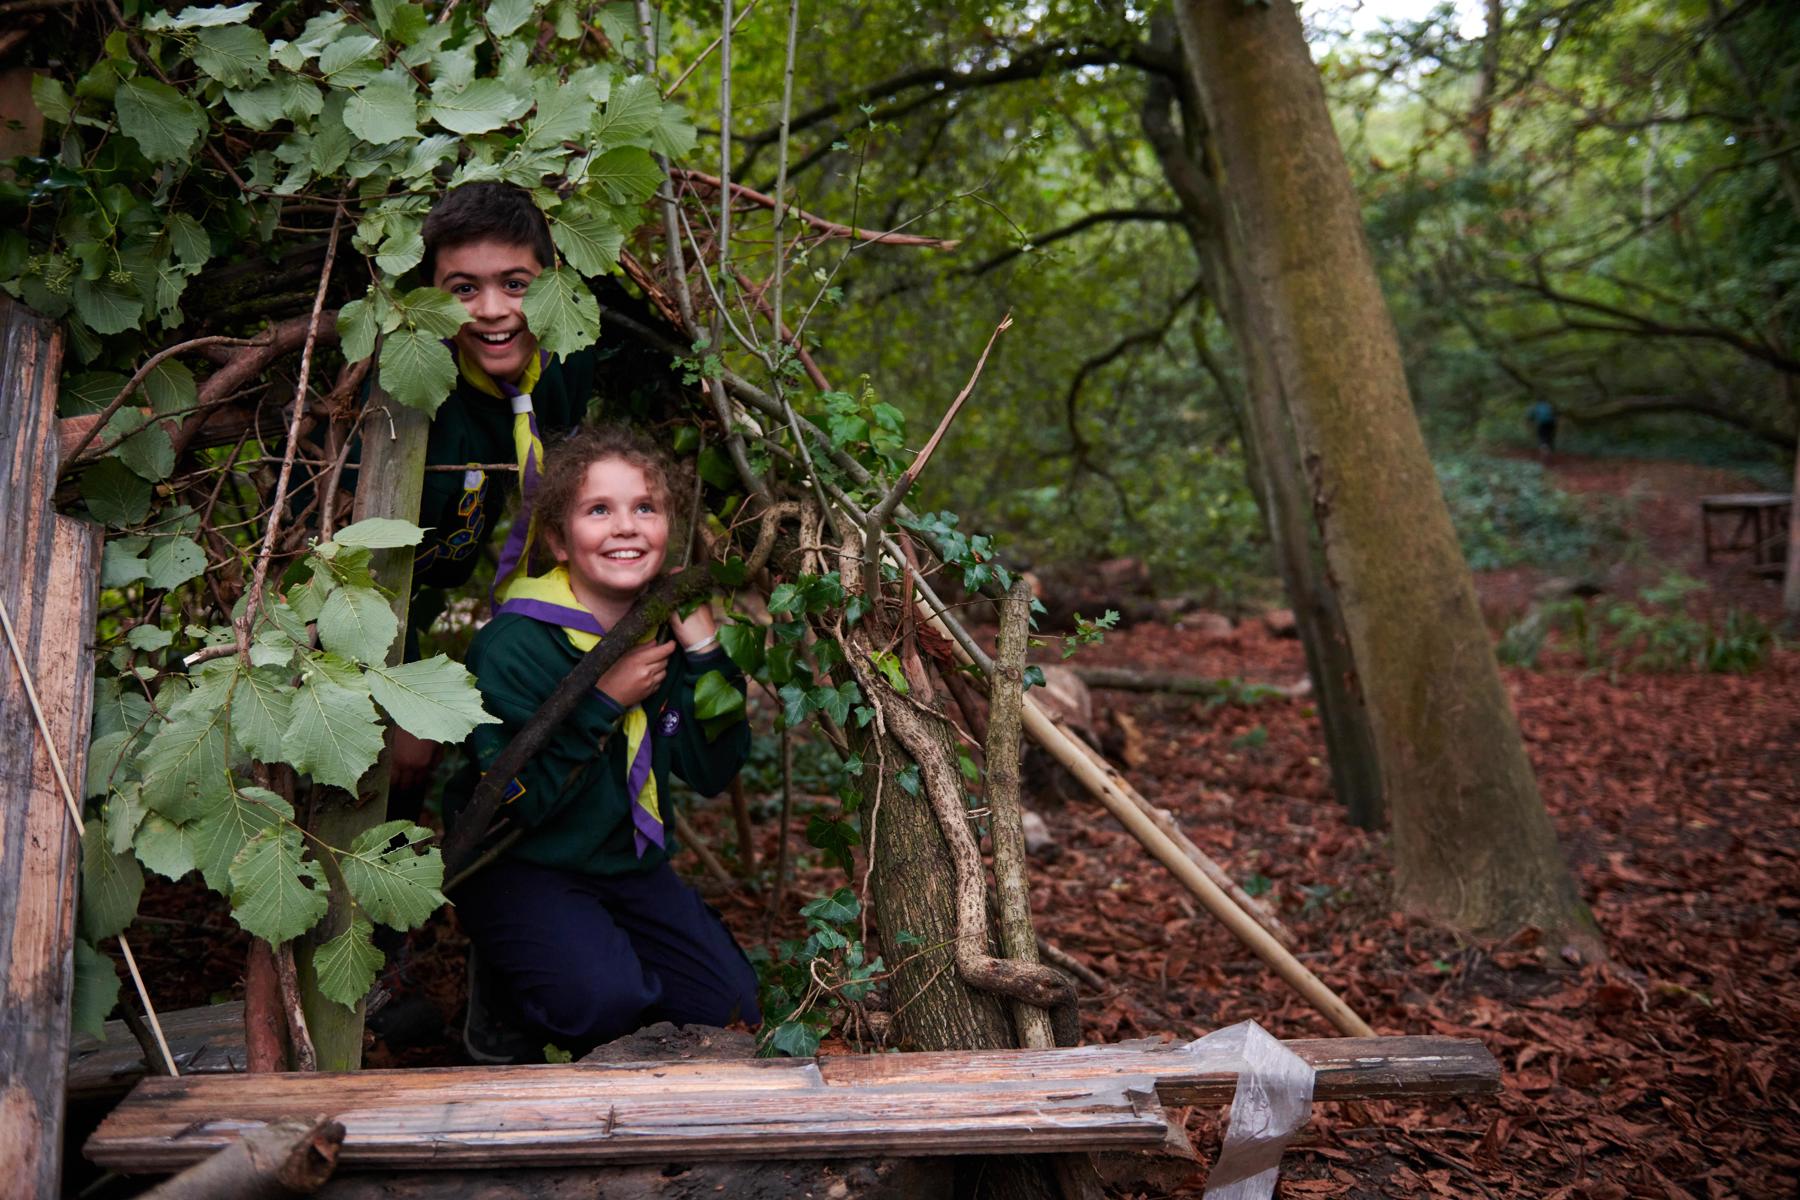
(1790, 588)
(1473, 845)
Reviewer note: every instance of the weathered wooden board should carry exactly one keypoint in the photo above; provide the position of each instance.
(161, 1129)
(49, 572)
(203, 1041)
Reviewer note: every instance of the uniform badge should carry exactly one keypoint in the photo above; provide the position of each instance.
(668, 723)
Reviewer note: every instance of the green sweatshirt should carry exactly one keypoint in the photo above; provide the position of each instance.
(571, 796)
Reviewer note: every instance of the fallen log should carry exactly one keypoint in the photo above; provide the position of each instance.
(292, 1157)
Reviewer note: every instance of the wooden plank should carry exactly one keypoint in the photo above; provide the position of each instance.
(49, 571)
(643, 1125)
(203, 1041)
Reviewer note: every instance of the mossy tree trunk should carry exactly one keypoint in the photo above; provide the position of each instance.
(1473, 845)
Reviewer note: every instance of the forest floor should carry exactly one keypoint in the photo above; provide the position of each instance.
(1667, 1072)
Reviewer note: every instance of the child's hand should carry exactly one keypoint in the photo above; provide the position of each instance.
(695, 628)
(638, 674)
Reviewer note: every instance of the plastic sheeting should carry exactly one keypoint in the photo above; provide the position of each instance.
(1273, 1100)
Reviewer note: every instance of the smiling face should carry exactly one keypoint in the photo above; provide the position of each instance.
(613, 538)
(490, 279)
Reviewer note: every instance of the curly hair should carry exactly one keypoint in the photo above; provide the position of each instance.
(566, 465)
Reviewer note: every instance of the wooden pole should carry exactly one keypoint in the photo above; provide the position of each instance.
(388, 484)
(292, 1157)
(1106, 785)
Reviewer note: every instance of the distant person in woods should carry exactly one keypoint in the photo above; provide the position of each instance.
(1542, 416)
(583, 931)
(484, 244)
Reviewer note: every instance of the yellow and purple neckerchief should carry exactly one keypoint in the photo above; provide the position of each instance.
(515, 555)
(550, 599)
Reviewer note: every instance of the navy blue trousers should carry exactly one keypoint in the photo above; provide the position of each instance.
(588, 958)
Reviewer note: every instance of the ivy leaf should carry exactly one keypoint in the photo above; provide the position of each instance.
(743, 644)
(561, 311)
(484, 105)
(114, 493)
(96, 990)
(628, 175)
(590, 243)
(505, 16)
(357, 623)
(379, 533)
(383, 110)
(106, 305)
(269, 893)
(334, 735)
(630, 113)
(835, 909)
(417, 369)
(795, 704)
(435, 700)
(262, 701)
(165, 847)
(346, 965)
(235, 55)
(796, 1039)
(110, 885)
(174, 561)
(219, 836)
(889, 665)
(394, 884)
(164, 123)
(717, 704)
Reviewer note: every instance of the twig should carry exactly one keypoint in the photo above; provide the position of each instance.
(684, 829)
(74, 809)
(131, 385)
(829, 228)
(1065, 961)
(299, 1038)
(781, 829)
(740, 812)
(707, 53)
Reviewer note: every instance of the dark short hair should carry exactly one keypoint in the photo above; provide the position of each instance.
(566, 465)
(486, 212)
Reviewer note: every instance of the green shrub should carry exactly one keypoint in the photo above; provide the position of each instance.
(1654, 634)
(1508, 512)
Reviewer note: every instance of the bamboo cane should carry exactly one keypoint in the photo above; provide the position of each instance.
(1105, 786)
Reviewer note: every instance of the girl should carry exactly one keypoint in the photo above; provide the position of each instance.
(582, 923)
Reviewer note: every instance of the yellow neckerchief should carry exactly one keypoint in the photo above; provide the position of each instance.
(528, 450)
(549, 598)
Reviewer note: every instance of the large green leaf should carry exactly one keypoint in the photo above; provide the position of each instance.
(379, 533)
(484, 105)
(262, 702)
(235, 55)
(627, 174)
(165, 847)
(334, 735)
(385, 110)
(396, 885)
(96, 990)
(124, 813)
(221, 835)
(563, 112)
(417, 369)
(590, 243)
(435, 699)
(561, 310)
(170, 385)
(103, 757)
(434, 311)
(346, 965)
(630, 113)
(174, 561)
(274, 893)
(108, 305)
(505, 16)
(357, 623)
(164, 123)
(110, 885)
(115, 494)
(358, 322)
(147, 451)
(186, 762)
(197, 17)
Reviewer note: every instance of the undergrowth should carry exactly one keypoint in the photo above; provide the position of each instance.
(1653, 633)
(1509, 512)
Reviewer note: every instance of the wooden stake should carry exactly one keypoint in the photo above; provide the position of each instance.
(287, 1158)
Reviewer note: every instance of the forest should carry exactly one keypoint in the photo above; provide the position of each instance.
(1214, 511)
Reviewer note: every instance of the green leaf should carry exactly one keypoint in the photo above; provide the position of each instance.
(484, 105)
(106, 305)
(186, 762)
(350, 61)
(235, 55)
(889, 665)
(114, 493)
(51, 99)
(270, 896)
(147, 637)
(563, 113)
(357, 623)
(743, 644)
(262, 702)
(786, 598)
(562, 312)
(165, 124)
(435, 699)
(417, 369)
(200, 18)
(170, 387)
(259, 107)
(717, 704)
(334, 735)
(795, 704)
(630, 113)
(395, 884)
(384, 110)
(357, 323)
(96, 991)
(219, 836)
(628, 175)
(192, 248)
(165, 847)
(836, 909)
(505, 16)
(123, 815)
(147, 451)
(795, 1039)
(590, 243)
(110, 885)
(379, 533)
(174, 561)
(346, 965)
(434, 311)
(673, 135)
(103, 761)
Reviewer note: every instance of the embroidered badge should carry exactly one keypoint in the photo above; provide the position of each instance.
(668, 723)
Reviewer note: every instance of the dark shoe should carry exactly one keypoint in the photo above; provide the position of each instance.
(488, 1036)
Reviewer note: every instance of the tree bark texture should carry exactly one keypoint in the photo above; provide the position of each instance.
(288, 1158)
(1790, 587)
(1473, 845)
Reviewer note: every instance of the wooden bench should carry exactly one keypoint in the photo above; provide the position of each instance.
(203, 1041)
(1761, 529)
(941, 1103)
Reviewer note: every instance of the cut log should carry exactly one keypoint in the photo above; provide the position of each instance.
(936, 1103)
(288, 1158)
(49, 576)
(203, 1041)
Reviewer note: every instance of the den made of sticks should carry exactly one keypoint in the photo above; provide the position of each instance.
(1166, 600)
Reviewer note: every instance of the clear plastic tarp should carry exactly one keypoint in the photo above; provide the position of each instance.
(1273, 1100)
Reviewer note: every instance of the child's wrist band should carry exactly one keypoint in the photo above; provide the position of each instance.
(705, 643)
